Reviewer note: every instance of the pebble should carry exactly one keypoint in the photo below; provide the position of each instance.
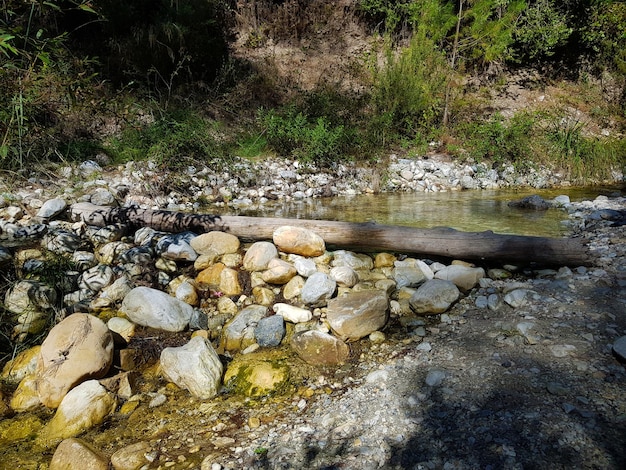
(434, 378)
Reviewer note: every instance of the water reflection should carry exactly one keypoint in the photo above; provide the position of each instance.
(472, 211)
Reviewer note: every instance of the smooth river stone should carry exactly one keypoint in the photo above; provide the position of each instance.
(150, 307)
(76, 349)
(299, 241)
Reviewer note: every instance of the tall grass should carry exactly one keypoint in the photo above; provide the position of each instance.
(584, 157)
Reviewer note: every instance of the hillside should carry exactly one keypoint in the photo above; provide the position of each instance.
(322, 82)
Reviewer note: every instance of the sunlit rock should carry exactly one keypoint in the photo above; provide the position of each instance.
(238, 333)
(217, 243)
(298, 240)
(84, 407)
(319, 348)
(259, 255)
(76, 454)
(150, 307)
(278, 272)
(357, 314)
(255, 377)
(318, 289)
(195, 367)
(76, 349)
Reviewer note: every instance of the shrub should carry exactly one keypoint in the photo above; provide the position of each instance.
(584, 157)
(502, 141)
(294, 134)
(176, 140)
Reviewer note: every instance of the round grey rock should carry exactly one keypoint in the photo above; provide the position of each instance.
(619, 348)
(156, 309)
(270, 331)
(318, 288)
(52, 208)
(434, 296)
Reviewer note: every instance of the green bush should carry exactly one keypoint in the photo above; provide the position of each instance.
(174, 141)
(501, 141)
(41, 82)
(294, 134)
(584, 157)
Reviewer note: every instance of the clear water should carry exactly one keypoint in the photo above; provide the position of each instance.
(472, 211)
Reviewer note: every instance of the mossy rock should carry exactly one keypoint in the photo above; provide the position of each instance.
(19, 428)
(256, 377)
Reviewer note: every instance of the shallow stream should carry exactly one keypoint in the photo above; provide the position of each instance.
(472, 211)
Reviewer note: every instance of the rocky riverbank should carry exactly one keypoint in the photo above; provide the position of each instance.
(197, 351)
(246, 183)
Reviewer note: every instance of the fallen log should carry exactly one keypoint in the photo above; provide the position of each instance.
(438, 242)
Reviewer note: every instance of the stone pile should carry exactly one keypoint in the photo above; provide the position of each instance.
(100, 286)
(235, 298)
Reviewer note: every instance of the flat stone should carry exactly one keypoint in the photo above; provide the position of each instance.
(76, 454)
(357, 314)
(318, 348)
(77, 349)
(298, 240)
(131, 457)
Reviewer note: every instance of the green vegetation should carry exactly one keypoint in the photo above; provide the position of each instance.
(173, 141)
(154, 80)
(296, 135)
(502, 142)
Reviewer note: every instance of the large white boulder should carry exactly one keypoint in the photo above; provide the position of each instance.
(156, 309)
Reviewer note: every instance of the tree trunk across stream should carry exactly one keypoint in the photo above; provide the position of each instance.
(440, 242)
